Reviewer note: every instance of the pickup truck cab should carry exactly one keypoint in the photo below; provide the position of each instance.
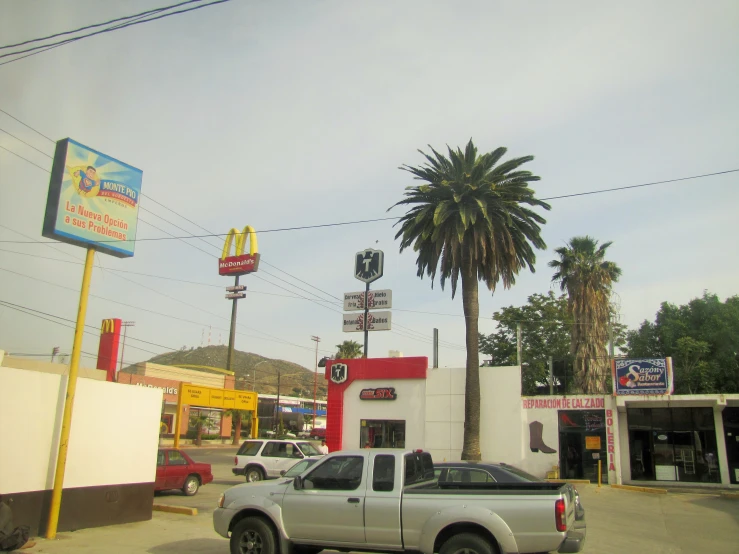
(388, 500)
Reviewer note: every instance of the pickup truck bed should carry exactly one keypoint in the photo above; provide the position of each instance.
(389, 501)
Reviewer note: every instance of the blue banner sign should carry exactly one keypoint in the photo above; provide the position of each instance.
(93, 200)
(643, 376)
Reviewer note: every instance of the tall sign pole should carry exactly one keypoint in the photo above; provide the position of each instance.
(369, 265)
(93, 202)
(315, 379)
(237, 265)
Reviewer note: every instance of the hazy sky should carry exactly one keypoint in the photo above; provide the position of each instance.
(283, 114)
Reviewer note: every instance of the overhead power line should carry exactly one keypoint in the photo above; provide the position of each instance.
(136, 19)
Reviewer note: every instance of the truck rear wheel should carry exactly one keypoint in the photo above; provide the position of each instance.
(252, 535)
(467, 543)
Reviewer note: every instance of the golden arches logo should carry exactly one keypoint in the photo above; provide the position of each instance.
(108, 326)
(241, 238)
(239, 263)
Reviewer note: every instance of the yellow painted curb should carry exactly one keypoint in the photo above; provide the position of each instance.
(730, 495)
(640, 489)
(576, 481)
(176, 509)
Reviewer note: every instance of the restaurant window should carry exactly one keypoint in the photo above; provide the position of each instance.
(381, 433)
(673, 444)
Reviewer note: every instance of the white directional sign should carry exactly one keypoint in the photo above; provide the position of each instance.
(376, 321)
(377, 299)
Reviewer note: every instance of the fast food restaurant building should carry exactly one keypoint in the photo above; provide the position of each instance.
(400, 402)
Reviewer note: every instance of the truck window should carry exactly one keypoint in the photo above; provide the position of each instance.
(342, 473)
(418, 467)
(383, 475)
(249, 448)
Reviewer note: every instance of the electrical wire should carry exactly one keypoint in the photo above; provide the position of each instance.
(138, 20)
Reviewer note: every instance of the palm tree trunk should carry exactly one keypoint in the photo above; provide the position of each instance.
(199, 439)
(237, 429)
(471, 305)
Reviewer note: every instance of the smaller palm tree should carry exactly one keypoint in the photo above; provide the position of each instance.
(199, 421)
(238, 418)
(348, 350)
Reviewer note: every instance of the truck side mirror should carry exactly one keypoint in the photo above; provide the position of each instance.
(298, 483)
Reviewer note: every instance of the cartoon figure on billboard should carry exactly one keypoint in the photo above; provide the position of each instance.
(85, 179)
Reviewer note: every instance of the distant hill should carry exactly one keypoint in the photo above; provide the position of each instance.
(296, 380)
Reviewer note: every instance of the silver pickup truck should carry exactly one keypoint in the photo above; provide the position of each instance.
(388, 500)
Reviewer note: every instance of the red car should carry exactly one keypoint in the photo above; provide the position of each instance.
(318, 433)
(177, 470)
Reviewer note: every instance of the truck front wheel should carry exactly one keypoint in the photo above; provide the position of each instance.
(252, 535)
(467, 543)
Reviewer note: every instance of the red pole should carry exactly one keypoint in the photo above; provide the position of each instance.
(315, 381)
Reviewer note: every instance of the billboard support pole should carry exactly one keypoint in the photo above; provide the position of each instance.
(232, 334)
(366, 314)
(74, 365)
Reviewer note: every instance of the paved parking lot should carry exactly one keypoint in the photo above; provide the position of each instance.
(618, 521)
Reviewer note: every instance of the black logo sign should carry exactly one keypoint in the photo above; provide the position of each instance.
(387, 393)
(339, 373)
(369, 265)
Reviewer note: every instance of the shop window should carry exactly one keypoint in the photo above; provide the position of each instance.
(383, 474)
(640, 418)
(342, 473)
(703, 419)
(661, 420)
(382, 433)
(682, 419)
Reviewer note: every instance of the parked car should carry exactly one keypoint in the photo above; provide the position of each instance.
(389, 500)
(299, 468)
(318, 433)
(264, 459)
(177, 470)
(488, 472)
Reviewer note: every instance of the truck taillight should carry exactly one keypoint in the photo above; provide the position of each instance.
(560, 516)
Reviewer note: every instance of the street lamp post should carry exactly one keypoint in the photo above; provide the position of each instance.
(125, 325)
(315, 379)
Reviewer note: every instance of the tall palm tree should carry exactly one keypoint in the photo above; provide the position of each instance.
(348, 350)
(470, 219)
(588, 277)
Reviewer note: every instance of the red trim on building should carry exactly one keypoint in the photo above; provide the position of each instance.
(364, 369)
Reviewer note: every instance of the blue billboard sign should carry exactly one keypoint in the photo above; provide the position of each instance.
(642, 376)
(93, 200)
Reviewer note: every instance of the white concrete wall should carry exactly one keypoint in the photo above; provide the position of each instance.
(444, 413)
(408, 406)
(114, 437)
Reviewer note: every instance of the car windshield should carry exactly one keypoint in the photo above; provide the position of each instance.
(308, 449)
(299, 468)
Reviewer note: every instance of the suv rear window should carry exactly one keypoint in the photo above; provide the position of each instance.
(249, 448)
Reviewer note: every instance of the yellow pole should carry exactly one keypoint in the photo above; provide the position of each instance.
(254, 425)
(599, 474)
(178, 417)
(74, 366)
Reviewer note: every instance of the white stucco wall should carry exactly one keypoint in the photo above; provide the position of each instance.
(408, 406)
(115, 432)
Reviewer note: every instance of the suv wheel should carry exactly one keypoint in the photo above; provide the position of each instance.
(252, 535)
(254, 474)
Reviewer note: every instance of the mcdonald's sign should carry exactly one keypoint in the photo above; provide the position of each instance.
(239, 263)
(110, 336)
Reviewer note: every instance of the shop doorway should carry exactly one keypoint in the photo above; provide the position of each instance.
(582, 443)
(731, 436)
(381, 433)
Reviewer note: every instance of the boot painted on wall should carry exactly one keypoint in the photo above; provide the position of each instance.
(535, 440)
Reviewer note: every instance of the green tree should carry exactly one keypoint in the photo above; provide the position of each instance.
(471, 218)
(588, 277)
(238, 417)
(200, 420)
(348, 350)
(545, 331)
(701, 337)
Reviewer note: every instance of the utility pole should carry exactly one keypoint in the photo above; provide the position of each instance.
(436, 348)
(315, 379)
(277, 404)
(610, 339)
(551, 376)
(519, 347)
(125, 325)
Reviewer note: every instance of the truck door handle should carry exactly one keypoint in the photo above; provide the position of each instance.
(353, 500)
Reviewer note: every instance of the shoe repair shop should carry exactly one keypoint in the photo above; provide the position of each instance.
(401, 403)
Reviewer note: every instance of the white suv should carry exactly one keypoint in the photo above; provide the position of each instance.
(264, 459)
